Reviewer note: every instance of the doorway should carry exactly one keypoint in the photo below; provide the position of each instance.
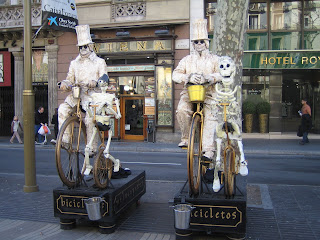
(132, 121)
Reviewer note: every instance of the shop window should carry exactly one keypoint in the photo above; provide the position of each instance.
(132, 85)
(164, 96)
(285, 15)
(255, 87)
(311, 14)
(256, 41)
(39, 67)
(257, 17)
(312, 40)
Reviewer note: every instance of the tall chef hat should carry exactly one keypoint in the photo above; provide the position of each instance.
(83, 35)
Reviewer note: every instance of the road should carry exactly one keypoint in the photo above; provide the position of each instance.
(266, 169)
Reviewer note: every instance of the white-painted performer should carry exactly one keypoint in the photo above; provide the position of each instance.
(226, 94)
(200, 67)
(85, 70)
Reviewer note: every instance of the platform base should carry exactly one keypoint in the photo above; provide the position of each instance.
(214, 213)
(70, 207)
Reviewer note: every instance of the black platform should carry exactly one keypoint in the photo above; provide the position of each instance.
(213, 212)
(69, 204)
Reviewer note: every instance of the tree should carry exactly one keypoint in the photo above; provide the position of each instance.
(229, 30)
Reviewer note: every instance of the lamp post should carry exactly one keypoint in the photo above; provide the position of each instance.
(28, 106)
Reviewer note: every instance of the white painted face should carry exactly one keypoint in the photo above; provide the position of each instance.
(85, 50)
(199, 45)
(227, 69)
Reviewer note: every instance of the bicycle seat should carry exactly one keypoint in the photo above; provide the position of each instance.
(229, 126)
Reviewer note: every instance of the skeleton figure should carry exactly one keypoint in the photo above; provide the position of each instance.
(85, 70)
(200, 67)
(101, 105)
(226, 95)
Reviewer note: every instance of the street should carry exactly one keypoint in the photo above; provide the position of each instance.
(263, 169)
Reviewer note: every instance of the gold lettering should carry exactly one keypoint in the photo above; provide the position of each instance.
(222, 215)
(217, 215)
(278, 58)
(273, 59)
(124, 47)
(228, 215)
(78, 204)
(206, 214)
(141, 45)
(315, 60)
(63, 203)
(196, 214)
(109, 47)
(264, 61)
(211, 215)
(291, 62)
(234, 215)
(201, 213)
(286, 60)
(304, 60)
(159, 45)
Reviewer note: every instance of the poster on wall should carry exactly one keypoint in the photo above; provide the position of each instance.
(5, 69)
(60, 15)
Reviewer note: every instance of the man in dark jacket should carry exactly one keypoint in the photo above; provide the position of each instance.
(40, 120)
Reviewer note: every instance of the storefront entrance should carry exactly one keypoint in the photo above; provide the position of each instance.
(132, 121)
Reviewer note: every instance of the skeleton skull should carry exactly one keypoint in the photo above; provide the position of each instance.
(227, 69)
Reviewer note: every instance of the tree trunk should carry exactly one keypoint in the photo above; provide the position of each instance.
(229, 35)
(229, 30)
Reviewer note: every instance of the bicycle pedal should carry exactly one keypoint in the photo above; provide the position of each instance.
(184, 148)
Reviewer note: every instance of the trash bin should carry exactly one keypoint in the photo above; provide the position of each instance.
(93, 206)
(182, 213)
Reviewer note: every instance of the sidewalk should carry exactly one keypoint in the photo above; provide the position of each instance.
(253, 143)
(273, 211)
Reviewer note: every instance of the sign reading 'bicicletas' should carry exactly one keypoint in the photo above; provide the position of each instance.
(216, 216)
(59, 15)
(282, 60)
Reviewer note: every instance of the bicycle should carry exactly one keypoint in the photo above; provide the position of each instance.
(197, 96)
(72, 156)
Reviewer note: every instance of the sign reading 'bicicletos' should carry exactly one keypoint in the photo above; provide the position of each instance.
(59, 15)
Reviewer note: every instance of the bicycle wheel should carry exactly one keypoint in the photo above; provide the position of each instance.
(194, 154)
(102, 170)
(229, 172)
(67, 155)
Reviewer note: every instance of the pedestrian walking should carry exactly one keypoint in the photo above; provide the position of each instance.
(15, 125)
(40, 120)
(306, 121)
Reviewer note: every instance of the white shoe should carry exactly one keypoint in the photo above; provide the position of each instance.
(243, 168)
(53, 141)
(183, 144)
(216, 185)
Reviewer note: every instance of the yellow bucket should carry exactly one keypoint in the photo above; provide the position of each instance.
(196, 93)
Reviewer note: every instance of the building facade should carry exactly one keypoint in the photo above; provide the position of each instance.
(281, 59)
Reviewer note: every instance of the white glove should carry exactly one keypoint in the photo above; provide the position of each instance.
(92, 84)
(64, 86)
(196, 78)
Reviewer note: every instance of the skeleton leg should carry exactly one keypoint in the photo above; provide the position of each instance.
(87, 152)
(243, 162)
(107, 155)
(216, 181)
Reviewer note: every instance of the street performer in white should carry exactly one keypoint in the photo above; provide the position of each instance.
(85, 70)
(200, 67)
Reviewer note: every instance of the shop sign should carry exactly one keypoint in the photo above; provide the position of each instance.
(282, 60)
(59, 15)
(141, 68)
(134, 46)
